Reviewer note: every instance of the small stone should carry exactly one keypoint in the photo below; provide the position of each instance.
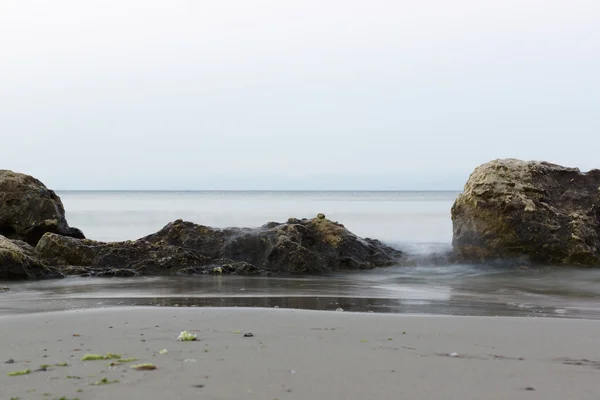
(453, 354)
(339, 309)
(144, 367)
(10, 361)
(248, 334)
(530, 389)
(198, 386)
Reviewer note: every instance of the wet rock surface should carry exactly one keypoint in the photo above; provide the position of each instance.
(298, 246)
(18, 260)
(535, 211)
(28, 209)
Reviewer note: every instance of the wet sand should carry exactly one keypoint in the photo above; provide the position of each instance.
(297, 355)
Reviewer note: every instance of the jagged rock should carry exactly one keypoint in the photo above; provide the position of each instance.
(127, 258)
(28, 209)
(19, 261)
(543, 212)
(299, 246)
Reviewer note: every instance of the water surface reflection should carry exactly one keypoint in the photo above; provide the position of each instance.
(448, 290)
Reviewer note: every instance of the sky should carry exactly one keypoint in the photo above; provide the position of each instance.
(295, 95)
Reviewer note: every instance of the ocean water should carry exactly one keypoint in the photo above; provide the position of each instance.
(416, 222)
(406, 219)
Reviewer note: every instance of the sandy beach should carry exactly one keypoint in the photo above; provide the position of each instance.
(296, 354)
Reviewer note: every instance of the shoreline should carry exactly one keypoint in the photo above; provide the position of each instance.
(297, 354)
(125, 308)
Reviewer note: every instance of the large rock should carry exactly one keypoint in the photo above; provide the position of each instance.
(28, 209)
(537, 211)
(298, 246)
(19, 261)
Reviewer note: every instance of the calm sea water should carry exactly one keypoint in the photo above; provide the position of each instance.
(417, 222)
(402, 218)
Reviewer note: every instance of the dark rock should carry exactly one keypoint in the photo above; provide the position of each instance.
(315, 246)
(92, 258)
(300, 246)
(10, 361)
(544, 213)
(248, 334)
(18, 260)
(28, 209)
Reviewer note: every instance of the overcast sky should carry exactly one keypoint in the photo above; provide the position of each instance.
(282, 94)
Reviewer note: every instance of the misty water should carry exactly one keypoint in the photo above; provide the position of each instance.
(416, 222)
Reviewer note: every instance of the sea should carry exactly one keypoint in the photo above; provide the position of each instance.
(418, 223)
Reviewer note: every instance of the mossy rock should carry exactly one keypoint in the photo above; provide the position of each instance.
(541, 212)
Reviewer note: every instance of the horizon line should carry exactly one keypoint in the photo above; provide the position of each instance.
(261, 190)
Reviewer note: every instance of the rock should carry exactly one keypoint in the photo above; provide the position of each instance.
(129, 258)
(302, 246)
(298, 246)
(19, 261)
(542, 212)
(28, 209)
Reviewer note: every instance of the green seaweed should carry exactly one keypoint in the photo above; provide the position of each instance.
(96, 357)
(104, 381)
(62, 364)
(185, 336)
(127, 360)
(19, 373)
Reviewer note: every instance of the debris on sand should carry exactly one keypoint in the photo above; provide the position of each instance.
(144, 367)
(126, 360)
(19, 373)
(104, 381)
(185, 336)
(96, 357)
